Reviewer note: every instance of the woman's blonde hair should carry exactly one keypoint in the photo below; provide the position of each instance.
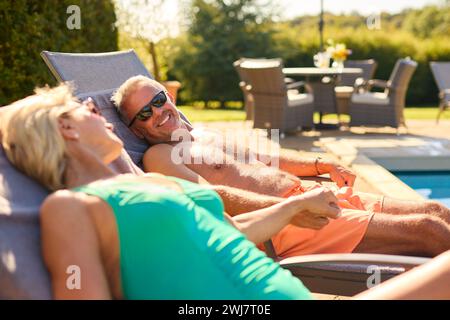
(31, 136)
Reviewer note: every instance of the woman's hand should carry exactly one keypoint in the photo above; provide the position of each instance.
(315, 208)
(309, 210)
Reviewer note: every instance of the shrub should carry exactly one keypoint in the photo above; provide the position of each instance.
(30, 26)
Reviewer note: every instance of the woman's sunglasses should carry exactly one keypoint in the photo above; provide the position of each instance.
(146, 112)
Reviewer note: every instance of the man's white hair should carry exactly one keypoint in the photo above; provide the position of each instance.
(122, 94)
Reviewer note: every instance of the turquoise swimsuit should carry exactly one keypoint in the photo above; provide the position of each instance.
(178, 246)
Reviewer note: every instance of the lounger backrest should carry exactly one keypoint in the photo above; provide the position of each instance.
(95, 72)
(441, 73)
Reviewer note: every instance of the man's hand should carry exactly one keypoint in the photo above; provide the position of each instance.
(316, 207)
(343, 177)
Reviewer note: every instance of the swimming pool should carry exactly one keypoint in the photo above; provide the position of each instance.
(433, 185)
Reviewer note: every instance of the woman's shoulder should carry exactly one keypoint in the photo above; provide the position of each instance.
(68, 200)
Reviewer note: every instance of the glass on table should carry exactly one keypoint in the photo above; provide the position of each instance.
(322, 60)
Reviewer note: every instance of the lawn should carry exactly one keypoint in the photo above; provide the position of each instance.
(206, 115)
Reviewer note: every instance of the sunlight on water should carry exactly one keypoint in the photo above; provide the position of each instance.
(431, 185)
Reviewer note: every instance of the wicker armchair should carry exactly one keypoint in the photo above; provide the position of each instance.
(441, 73)
(368, 66)
(249, 104)
(383, 108)
(277, 105)
(244, 83)
(350, 83)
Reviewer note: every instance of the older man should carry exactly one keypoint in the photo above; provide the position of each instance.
(369, 223)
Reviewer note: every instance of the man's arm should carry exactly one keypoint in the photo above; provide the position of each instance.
(291, 161)
(236, 201)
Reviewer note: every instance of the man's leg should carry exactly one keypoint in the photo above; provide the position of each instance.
(397, 206)
(412, 234)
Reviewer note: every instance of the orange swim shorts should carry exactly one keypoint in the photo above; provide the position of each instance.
(340, 235)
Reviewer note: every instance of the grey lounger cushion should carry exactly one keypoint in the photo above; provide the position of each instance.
(22, 273)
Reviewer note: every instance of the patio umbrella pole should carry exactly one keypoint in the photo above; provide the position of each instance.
(321, 25)
(321, 125)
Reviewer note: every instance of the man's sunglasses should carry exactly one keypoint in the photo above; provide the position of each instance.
(146, 112)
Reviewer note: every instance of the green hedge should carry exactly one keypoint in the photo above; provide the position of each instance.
(30, 26)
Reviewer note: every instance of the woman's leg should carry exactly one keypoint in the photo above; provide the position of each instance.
(429, 281)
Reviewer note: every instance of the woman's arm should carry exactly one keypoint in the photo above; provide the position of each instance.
(71, 249)
(309, 210)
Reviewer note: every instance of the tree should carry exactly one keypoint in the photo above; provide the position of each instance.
(149, 21)
(428, 21)
(220, 32)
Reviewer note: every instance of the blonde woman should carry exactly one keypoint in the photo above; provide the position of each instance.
(152, 237)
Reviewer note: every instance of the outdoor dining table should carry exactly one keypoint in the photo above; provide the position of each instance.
(323, 92)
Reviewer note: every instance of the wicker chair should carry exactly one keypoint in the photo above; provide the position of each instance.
(383, 108)
(244, 84)
(349, 82)
(276, 106)
(441, 73)
(368, 66)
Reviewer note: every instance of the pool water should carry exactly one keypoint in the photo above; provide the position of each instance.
(433, 185)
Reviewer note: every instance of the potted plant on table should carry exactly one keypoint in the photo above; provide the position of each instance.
(338, 53)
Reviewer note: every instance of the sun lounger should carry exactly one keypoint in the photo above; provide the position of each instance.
(22, 273)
